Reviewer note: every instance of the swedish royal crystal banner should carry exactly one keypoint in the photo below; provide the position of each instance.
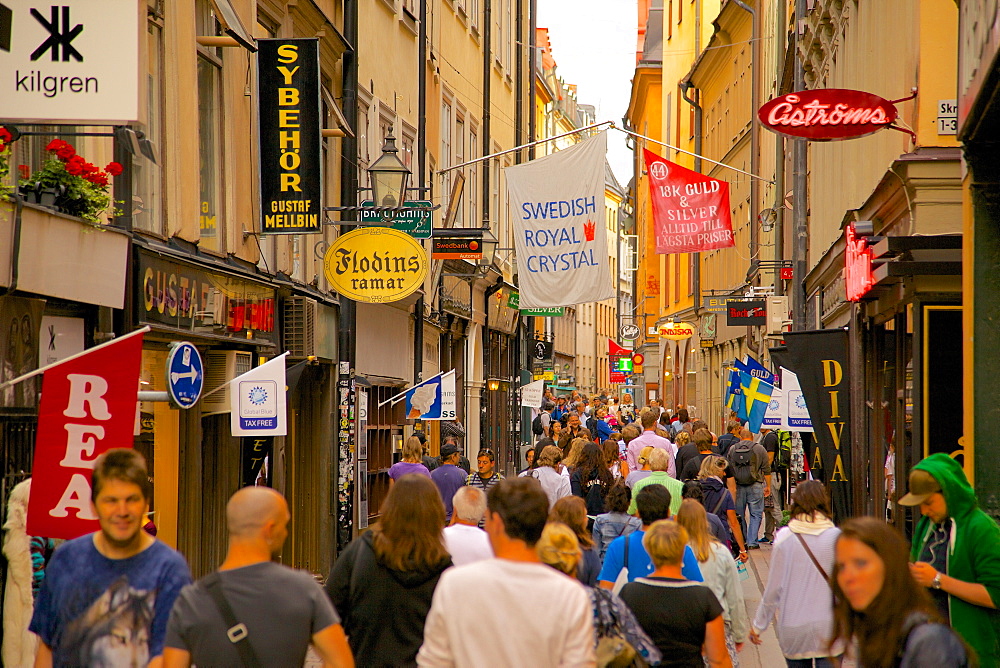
(690, 210)
(288, 108)
(557, 205)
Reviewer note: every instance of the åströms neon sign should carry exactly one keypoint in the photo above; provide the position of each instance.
(827, 114)
(858, 276)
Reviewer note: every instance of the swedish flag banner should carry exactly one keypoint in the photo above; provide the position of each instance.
(756, 397)
(734, 396)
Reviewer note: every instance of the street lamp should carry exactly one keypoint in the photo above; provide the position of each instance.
(489, 246)
(388, 177)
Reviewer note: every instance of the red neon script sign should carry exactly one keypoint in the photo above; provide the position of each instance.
(827, 114)
(858, 276)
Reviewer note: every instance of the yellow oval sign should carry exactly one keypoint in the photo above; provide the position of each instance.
(375, 265)
(676, 331)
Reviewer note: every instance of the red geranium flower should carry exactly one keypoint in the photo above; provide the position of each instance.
(54, 145)
(5, 135)
(113, 168)
(97, 178)
(90, 168)
(3, 147)
(74, 167)
(65, 152)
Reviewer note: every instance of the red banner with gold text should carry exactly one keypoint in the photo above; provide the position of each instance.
(690, 210)
(88, 406)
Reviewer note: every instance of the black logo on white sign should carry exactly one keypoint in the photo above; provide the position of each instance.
(58, 40)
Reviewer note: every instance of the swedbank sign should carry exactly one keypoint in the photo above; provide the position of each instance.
(375, 265)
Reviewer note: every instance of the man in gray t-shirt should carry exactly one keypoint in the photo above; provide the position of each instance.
(284, 610)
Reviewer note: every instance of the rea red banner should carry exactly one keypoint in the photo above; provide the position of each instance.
(690, 210)
(88, 406)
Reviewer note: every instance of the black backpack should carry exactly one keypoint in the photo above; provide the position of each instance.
(741, 461)
(536, 425)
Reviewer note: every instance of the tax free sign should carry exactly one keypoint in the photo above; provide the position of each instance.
(72, 61)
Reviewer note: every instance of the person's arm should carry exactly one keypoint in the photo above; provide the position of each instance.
(338, 584)
(613, 565)
(767, 484)
(576, 486)
(731, 485)
(715, 652)
(631, 458)
(734, 526)
(331, 645)
(773, 594)
(43, 657)
(970, 592)
(175, 658)
(733, 594)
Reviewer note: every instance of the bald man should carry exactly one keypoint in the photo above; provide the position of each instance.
(279, 611)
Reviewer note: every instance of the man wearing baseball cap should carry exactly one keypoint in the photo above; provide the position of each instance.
(956, 553)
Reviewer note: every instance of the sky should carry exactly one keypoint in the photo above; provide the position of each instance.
(593, 43)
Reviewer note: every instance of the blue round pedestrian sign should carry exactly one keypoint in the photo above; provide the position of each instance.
(185, 374)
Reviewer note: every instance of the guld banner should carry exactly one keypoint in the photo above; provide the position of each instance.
(289, 136)
(559, 227)
(690, 210)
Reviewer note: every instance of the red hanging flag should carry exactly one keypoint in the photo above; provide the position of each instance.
(88, 406)
(690, 210)
(616, 350)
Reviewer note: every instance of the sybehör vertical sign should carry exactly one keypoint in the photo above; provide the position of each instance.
(288, 98)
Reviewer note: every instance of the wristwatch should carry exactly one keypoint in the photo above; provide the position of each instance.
(936, 582)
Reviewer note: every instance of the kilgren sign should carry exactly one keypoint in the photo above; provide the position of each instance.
(70, 62)
(827, 114)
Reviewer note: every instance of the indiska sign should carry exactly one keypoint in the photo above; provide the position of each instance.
(690, 210)
(858, 276)
(88, 406)
(827, 114)
(288, 95)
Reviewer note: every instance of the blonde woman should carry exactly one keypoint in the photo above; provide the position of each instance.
(413, 451)
(683, 618)
(559, 548)
(575, 451)
(644, 471)
(719, 570)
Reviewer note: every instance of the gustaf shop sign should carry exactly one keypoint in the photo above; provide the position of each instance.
(288, 99)
(375, 264)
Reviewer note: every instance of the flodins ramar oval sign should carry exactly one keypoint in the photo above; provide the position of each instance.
(827, 114)
(375, 265)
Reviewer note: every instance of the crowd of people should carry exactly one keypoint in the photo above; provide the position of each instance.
(610, 548)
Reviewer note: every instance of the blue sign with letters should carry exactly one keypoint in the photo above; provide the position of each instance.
(185, 374)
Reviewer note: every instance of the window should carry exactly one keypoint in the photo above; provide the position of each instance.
(459, 141)
(147, 176)
(446, 129)
(509, 36)
(210, 132)
(670, 14)
(472, 182)
(474, 15)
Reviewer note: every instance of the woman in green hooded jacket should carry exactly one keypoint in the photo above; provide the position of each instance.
(955, 552)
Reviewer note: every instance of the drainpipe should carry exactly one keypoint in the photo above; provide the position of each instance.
(487, 80)
(532, 73)
(754, 134)
(800, 194)
(685, 87)
(780, 45)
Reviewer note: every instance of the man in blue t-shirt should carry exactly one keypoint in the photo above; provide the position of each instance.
(107, 596)
(448, 477)
(653, 504)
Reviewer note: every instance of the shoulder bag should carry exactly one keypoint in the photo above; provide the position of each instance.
(237, 630)
(814, 559)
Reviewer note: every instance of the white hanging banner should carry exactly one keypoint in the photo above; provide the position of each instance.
(449, 408)
(257, 400)
(557, 206)
(531, 394)
(774, 416)
(797, 415)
